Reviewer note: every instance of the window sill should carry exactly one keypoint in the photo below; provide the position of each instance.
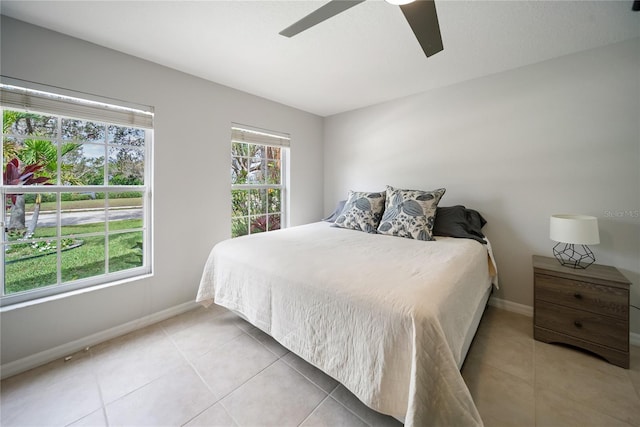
(71, 293)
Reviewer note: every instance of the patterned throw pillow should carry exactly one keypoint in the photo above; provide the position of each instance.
(362, 211)
(410, 213)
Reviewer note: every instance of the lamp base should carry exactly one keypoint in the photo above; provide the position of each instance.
(568, 256)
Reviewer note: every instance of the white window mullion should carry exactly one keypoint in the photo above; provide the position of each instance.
(105, 171)
(3, 223)
(106, 232)
(59, 237)
(4, 241)
(106, 198)
(58, 142)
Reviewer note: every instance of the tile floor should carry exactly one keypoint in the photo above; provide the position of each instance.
(207, 367)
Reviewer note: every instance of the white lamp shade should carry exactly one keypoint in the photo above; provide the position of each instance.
(574, 229)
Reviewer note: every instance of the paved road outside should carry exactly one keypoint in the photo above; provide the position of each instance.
(86, 217)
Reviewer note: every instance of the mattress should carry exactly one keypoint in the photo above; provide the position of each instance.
(388, 317)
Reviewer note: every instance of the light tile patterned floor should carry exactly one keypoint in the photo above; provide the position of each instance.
(207, 367)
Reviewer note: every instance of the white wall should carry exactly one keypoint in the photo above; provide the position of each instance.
(192, 180)
(560, 136)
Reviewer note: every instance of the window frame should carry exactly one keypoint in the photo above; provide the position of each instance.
(261, 137)
(89, 111)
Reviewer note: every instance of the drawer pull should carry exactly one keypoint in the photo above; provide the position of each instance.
(577, 295)
(578, 324)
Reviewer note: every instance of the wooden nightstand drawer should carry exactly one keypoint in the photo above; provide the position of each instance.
(584, 308)
(605, 330)
(581, 295)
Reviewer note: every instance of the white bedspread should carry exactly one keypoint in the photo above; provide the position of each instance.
(386, 316)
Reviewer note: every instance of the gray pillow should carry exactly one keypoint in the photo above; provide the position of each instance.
(362, 211)
(410, 213)
(336, 212)
(458, 221)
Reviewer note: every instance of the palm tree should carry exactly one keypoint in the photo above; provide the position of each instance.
(19, 174)
(34, 152)
(37, 151)
(9, 147)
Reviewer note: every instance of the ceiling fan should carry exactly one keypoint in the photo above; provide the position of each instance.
(420, 14)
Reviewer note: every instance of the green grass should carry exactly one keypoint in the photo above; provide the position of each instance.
(84, 261)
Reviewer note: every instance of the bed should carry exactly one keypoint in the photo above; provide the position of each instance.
(390, 318)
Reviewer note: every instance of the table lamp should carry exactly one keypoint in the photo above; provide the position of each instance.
(573, 233)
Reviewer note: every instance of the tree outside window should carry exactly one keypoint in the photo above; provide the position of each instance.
(257, 189)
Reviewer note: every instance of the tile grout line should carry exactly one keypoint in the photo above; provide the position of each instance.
(278, 358)
(219, 400)
(306, 377)
(345, 407)
(249, 379)
(262, 344)
(94, 367)
(193, 368)
(538, 390)
(535, 380)
(313, 410)
(188, 363)
(94, 374)
(328, 394)
(146, 383)
(630, 370)
(228, 412)
(321, 389)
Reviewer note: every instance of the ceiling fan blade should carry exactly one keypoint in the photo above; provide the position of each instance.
(325, 12)
(423, 20)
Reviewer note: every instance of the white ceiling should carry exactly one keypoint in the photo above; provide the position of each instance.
(361, 57)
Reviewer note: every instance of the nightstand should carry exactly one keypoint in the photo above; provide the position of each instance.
(584, 308)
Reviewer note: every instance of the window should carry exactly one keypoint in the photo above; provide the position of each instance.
(258, 166)
(76, 190)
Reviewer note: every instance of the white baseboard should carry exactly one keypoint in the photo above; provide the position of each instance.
(634, 339)
(511, 306)
(46, 356)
